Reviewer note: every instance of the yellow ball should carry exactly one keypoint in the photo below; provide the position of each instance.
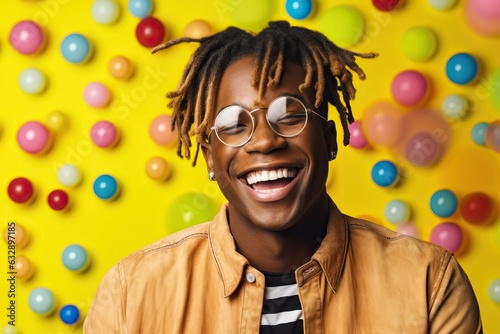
(158, 169)
(120, 68)
(24, 269)
(197, 29)
(17, 234)
(344, 25)
(419, 44)
(57, 120)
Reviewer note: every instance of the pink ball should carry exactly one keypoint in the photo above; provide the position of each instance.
(27, 37)
(409, 88)
(161, 130)
(104, 134)
(96, 95)
(487, 9)
(422, 149)
(482, 23)
(407, 228)
(447, 235)
(381, 124)
(358, 139)
(33, 137)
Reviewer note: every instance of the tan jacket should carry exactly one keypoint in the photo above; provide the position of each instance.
(363, 278)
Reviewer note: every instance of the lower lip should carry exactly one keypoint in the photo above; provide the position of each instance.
(274, 195)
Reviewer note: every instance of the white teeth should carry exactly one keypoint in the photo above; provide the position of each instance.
(267, 175)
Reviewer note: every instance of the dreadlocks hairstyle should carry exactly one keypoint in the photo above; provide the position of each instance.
(327, 71)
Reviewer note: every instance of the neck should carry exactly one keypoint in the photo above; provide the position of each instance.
(281, 251)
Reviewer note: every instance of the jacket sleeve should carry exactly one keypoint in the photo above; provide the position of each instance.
(453, 307)
(107, 312)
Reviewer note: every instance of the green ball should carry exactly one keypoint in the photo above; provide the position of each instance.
(189, 209)
(344, 25)
(419, 44)
(496, 235)
(494, 88)
(250, 14)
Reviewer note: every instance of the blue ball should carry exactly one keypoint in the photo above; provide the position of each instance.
(444, 203)
(75, 48)
(140, 8)
(478, 132)
(385, 173)
(105, 187)
(298, 9)
(74, 257)
(69, 314)
(41, 301)
(461, 68)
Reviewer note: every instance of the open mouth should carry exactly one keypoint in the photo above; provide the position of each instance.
(270, 180)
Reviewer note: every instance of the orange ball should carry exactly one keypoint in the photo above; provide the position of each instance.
(17, 233)
(24, 269)
(158, 169)
(120, 68)
(161, 130)
(197, 29)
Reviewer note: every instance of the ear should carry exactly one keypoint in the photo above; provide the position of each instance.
(206, 149)
(330, 134)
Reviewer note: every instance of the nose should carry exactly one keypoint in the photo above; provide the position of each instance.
(264, 139)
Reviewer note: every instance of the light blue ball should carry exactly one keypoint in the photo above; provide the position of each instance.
(477, 133)
(105, 187)
(397, 211)
(298, 9)
(75, 48)
(75, 258)
(140, 8)
(494, 290)
(69, 314)
(32, 81)
(385, 173)
(41, 301)
(444, 203)
(461, 68)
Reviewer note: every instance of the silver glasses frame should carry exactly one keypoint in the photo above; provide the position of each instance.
(308, 111)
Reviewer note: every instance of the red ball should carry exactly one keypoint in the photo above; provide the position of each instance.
(478, 208)
(58, 199)
(385, 5)
(20, 190)
(150, 32)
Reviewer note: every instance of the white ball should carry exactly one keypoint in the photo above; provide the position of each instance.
(105, 11)
(455, 107)
(32, 81)
(68, 175)
(442, 4)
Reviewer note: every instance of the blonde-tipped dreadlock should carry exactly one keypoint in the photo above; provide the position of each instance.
(327, 71)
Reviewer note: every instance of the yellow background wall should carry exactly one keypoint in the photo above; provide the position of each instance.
(111, 230)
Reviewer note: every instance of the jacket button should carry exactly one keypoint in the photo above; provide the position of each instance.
(250, 277)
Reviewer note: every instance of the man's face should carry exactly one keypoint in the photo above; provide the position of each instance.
(299, 164)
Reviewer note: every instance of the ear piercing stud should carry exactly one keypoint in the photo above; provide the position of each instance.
(211, 176)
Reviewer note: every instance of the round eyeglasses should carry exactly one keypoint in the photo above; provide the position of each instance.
(286, 115)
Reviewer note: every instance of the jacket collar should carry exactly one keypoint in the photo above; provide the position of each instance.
(330, 255)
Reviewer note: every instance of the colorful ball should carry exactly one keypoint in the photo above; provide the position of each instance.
(492, 136)
(455, 107)
(27, 38)
(69, 314)
(16, 230)
(76, 48)
(189, 209)
(32, 81)
(381, 124)
(120, 68)
(494, 290)
(41, 301)
(478, 133)
(21, 190)
(69, 175)
(422, 150)
(478, 208)
(248, 14)
(397, 211)
(197, 29)
(298, 9)
(57, 120)
(33, 137)
(447, 235)
(75, 258)
(483, 16)
(96, 95)
(140, 8)
(158, 169)
(24, 269)
(385, 5)
(358, 139)
(161, 131)
(444, 203)
(409, 88)
(442, 4)
(385, 173)
(9, 329)
(105, 11)
(494, 88)
(58, 200)
(106, 187)
(419, 44)
(104, 134)
(408, 228)
(343, 24)
(150, 32)
(461, 68)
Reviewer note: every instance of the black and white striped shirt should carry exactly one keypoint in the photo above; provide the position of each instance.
(281, 312)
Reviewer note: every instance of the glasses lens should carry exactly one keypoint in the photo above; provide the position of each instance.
(234, 125)
(287, 116)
